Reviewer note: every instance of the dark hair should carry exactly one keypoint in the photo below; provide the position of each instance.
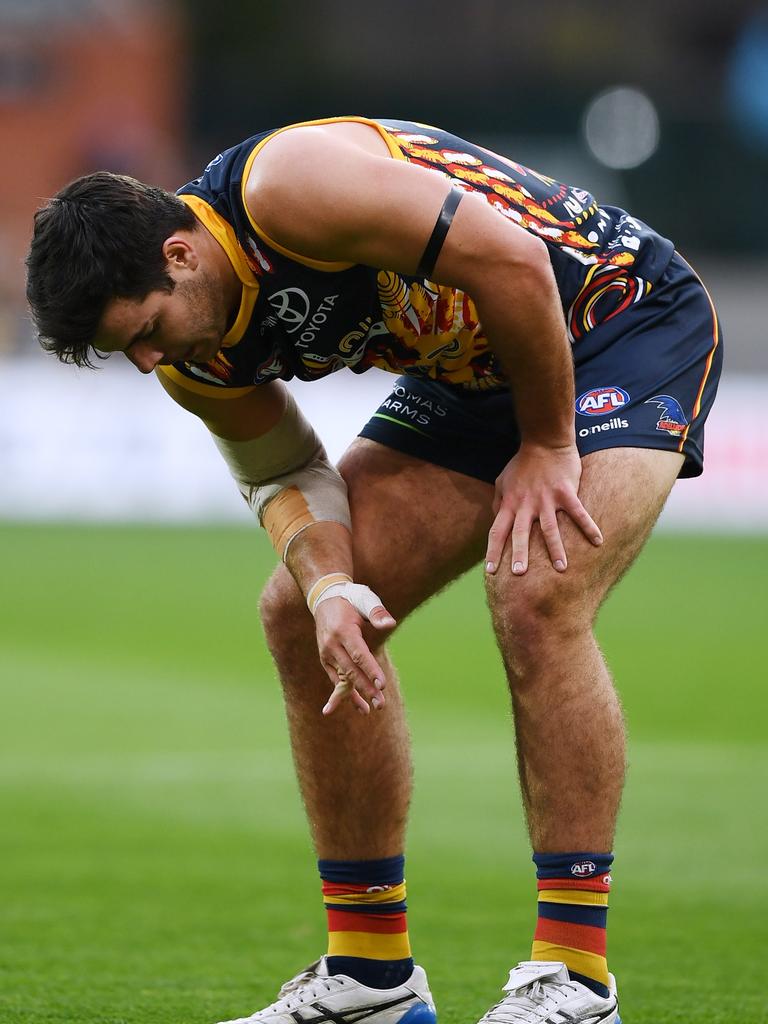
(100, 238)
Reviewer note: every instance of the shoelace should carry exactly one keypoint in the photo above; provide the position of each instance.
(305, 986)
(541, 997)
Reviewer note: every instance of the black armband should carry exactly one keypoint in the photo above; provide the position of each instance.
(436, 239)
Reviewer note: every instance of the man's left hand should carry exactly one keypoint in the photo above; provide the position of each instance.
(534, 486)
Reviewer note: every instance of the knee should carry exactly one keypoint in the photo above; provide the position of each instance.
(288, 626)
(539, 611)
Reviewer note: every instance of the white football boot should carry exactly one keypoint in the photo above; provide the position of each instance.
(316, 997)
(542, 992)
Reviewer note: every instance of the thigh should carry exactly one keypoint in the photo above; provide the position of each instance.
(624, 490)
(415, 526)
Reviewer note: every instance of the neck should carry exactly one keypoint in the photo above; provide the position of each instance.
(229, 283)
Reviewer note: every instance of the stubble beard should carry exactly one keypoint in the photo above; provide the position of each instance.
(207, 317)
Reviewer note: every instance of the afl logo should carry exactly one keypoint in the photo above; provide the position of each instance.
(601, 401)
(583, 869)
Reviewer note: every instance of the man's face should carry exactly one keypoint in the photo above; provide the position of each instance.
(187, 325)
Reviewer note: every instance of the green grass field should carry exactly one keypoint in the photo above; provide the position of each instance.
(155, 863)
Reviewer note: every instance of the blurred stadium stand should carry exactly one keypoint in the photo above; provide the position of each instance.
(83, 85)
(156, 88)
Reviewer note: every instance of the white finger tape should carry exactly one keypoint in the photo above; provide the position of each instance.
(360, 597)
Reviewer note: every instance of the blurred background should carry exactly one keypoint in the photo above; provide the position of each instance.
(664, 114)
(151, 826)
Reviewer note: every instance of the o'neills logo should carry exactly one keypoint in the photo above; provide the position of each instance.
(615, 423)
(583, 869)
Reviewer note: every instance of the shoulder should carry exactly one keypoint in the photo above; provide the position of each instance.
(304, 185)
(314, 155)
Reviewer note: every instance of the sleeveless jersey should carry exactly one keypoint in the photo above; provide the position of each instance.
(305, 318)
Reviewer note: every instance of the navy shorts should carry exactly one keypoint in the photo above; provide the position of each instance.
(645, 378)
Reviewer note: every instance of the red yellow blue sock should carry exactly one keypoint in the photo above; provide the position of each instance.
(367, 927)
(573, 910)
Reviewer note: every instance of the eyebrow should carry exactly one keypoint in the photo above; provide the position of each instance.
(141, 333)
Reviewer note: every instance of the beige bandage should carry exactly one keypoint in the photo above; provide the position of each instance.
(286, 478)
(320, 586)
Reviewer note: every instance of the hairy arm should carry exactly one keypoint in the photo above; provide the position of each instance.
(329, 198)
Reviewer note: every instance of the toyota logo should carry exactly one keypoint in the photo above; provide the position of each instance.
(291, 305)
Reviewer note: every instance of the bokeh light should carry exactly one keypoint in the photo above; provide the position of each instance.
(621, 127)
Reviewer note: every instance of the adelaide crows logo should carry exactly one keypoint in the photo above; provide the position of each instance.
(672, 418)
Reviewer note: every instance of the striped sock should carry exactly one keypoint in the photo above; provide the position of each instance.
(573, 907)
(367, 928)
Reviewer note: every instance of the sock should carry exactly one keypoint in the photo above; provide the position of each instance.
(573, 908)
(367, 929)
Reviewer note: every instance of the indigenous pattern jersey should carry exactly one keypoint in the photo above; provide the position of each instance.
(305, 318)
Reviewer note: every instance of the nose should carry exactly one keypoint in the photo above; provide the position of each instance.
(144, 357)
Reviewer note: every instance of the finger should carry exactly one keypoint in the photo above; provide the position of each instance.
(341, 690)
(348, 667)
(365, 674)
(550, 529)
(583, 520)
(381, 619)
(359, 702)
(364, 600)
(342, 685)
(344, 690)
(521, 534)
(497, 537)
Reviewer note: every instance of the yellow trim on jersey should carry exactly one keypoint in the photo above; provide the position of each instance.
(199, 387)
(225, 235)
(576, 896)
(710, 357)
(327, 265)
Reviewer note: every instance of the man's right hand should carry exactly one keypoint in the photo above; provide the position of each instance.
(344, 654)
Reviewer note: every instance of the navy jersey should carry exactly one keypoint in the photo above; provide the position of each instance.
(306, 318)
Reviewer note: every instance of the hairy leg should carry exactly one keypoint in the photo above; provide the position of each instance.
(415, 528)
(568, 720)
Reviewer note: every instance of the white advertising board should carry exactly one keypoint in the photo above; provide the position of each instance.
(110, 446)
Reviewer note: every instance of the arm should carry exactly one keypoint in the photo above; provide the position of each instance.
(282, 471)
(331, 199)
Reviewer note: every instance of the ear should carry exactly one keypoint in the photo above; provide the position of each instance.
(180, 254)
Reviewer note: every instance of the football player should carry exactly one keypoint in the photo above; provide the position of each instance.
(557, 362)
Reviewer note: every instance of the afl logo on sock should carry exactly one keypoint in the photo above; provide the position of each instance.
(583, 869)
(601, 401)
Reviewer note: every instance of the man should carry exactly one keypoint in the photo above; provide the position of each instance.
(351, 242)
